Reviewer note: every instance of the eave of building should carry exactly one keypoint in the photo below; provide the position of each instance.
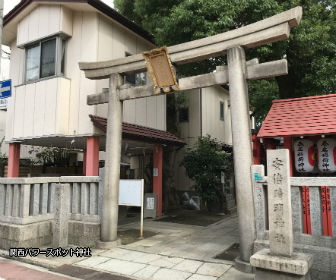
(21, 10)
(306, 116)
(141, 133)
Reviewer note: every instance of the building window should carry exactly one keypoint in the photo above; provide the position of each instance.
(135, 79)
(32, 64)
(221, 111)
(63, 56)
(48, 58)
(183, 114)
(45, 59)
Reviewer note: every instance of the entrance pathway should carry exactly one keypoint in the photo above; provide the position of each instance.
(177, 252)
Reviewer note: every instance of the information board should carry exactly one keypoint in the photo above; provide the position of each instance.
(131, 192)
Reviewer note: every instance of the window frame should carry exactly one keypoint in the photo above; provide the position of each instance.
(26, 61)
(221, 112)
(59, 42)
(132, 78)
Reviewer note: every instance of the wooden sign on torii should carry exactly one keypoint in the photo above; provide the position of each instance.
(237, 73)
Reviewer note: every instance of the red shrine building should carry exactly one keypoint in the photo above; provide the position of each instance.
(307, 128)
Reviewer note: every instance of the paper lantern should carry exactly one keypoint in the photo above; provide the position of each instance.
(304, 155)
(326, 149)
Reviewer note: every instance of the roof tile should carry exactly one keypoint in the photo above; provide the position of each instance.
(138, 132)
(304, 116)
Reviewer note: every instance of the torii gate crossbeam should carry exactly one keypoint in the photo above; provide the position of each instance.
(233, 43)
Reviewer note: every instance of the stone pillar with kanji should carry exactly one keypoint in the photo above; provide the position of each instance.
(279, 261)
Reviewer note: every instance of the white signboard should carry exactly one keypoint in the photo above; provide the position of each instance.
(131, 192)
(3, 103)
(150, 203)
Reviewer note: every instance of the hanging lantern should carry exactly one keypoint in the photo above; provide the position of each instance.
(304, 155)
(326, 149)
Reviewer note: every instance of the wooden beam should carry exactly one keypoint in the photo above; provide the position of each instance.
(220, 77)
(262, 32)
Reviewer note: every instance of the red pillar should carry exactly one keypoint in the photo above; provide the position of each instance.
(13, 160)
(92, 156)
(84, 162)
(288, 145)
(157, 176)
(256, 150)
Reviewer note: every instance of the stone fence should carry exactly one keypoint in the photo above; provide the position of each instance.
(322, 247)
(27, 207)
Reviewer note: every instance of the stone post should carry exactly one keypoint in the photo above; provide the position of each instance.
(24, 200)
(62, 211)
(242, 153)
(279, 262)
(258, 173)
(109, 221)
(279, 203)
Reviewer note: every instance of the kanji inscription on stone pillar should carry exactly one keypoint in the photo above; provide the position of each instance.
(279, 203)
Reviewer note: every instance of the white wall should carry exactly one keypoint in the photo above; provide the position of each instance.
(4, 147)
(204, 115)
(57, 106)
(190, 131)
(211, 122)
(204, 119)
(82, 46)
(113, 42)
(39, 109)
(44, 21)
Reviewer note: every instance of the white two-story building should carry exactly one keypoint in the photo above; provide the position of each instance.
(49, 107)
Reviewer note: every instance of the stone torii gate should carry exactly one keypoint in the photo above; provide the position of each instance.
(237, 73)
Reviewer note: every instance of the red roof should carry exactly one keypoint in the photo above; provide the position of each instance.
(314, 115)
(142, 133)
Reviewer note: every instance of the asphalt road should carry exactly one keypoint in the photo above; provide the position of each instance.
(14, 270)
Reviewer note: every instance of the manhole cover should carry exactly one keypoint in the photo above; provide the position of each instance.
(229, 254)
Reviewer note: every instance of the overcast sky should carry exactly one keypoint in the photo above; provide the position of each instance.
(9, 5)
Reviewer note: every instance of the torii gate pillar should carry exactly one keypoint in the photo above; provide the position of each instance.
(242, 150)
(109, 221)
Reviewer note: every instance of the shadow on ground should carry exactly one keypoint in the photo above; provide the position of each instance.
(192, 217)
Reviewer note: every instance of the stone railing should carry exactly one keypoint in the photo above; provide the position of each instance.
(28, 200)
(85, 196)
(316, 238)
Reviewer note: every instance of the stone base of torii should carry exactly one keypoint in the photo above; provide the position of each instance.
(234, 43)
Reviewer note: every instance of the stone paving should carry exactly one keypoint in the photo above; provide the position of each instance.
(177, 252)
